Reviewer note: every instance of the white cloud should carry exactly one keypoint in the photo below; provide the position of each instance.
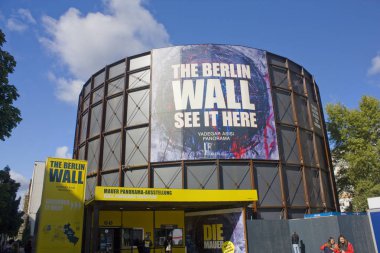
(19, 178)
(16, 25)
(62, 152)
(85, 43)
(20, 21)
(26, 15)
(375, 66)
(67, 90)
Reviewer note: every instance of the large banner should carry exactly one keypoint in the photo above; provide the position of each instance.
(215, 232)
(211, 102)
(61, 213)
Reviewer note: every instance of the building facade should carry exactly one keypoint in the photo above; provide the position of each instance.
(209, 117)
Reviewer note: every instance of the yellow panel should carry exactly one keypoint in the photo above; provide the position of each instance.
(109, 218)
(139, 219)
(170, 217)
(173, 195)
(62, 205)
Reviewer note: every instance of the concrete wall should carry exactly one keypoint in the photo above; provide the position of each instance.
(266, 236)
(35, 194)
(275, 236)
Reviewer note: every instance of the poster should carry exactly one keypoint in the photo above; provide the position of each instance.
(215, 232)
(211, 102)
(60, 223)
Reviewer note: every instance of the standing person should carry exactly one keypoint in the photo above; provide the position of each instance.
(147, 244)
(168, 245)
(296, 243)
(330, 246)
(344, 245)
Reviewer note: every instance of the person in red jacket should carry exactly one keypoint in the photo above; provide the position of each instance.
(330, 246)
(344, 245)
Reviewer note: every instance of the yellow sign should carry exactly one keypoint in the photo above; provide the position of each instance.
(173, 195)
(228, 247)
(61, 212)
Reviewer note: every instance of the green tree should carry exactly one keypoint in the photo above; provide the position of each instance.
(9, 115)
(355, 141)
(10, 216)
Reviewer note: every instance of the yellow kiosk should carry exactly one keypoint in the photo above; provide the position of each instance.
(122, 219)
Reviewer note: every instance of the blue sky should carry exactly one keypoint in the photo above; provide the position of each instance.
(59, 44)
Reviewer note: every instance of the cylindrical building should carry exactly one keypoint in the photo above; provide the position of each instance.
(209, 117)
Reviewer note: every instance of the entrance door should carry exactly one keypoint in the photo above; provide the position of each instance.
(109, 239)
(106, 240)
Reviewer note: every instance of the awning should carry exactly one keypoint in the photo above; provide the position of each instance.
(114, 197)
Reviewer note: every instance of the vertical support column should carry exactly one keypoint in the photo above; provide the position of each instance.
(283, 193)
(252, 169)
(88, 228)
(217, 164)
(280, 167)
(327, 151)
(102, 126)
(298, 138)
(95, 230)
(124, 120)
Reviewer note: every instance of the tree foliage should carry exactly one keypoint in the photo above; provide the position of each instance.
(9, 115)
(10, 216)
(355, 141)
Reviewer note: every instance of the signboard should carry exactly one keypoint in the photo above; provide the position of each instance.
(172, 195)
(61, 212)
(215, 232)
(211, 102)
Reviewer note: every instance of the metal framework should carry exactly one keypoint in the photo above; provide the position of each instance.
(113, 134)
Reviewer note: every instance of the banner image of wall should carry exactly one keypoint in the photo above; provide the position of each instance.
(211, 101)
(215, 232)
(62, 205)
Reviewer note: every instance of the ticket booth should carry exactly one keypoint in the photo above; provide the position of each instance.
(122, 220)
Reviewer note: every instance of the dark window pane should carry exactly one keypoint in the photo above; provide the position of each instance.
(279, 77)
(97, 95)
(111, 179)
(307, 148)
(321, 152)
(302, 112)
(96, 120)
(202, 177)
(314, 187)
(236, 176)
(139, 62)
(168, 177)
(111, 151)
(138, 107)
(136, 147)
(93, 155)
(267, 181)
(90, 187)
(276, 60)
(288, 142)
(83, 131)
(297, 83)
(99, 79)
(136, 178)
(294, 185)
(139, 79)
(116, 70)
(115, 86)
(283, 104)
(114, 113)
